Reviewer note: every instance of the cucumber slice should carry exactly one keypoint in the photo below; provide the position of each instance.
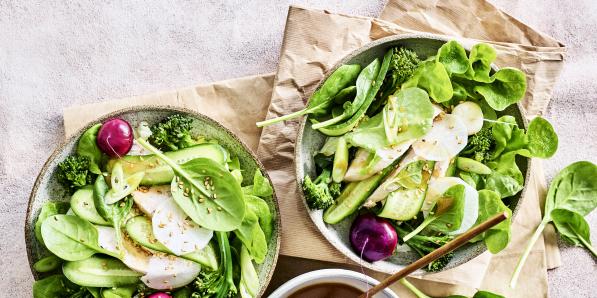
(100, 271)
(403, 204)
(473, 166)
(83, 206)
(156, 172)
(139, 228)
(354, 195)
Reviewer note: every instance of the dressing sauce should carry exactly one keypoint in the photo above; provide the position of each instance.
(327, 290)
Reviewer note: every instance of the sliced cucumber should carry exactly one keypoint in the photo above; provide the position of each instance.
(100, 271)
(354, 195)
(473, 166)
(139, 228)
(83, 206)
(156, 172)
(403, 204)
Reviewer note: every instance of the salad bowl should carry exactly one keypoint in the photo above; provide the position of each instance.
(47, 188)
(310, 141)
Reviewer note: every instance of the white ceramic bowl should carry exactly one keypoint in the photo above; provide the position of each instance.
(352, 278)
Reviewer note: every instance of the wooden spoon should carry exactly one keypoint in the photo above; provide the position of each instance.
(436, 254)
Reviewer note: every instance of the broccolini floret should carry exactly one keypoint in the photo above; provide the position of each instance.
(335, 189)
(424, 245)
(173, 133)
(318, 193)
(218, 283)
(403, 65)
(73, 172)
(480, 145)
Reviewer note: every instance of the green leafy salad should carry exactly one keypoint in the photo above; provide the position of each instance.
(164, 214)
(423, 145)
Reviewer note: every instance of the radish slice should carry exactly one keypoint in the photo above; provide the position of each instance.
(132, 256)
(437, 110)
(446, 138)
(167, 272)
(148, 199)
(471, 115)
(179, 234)
(437, 187)
(360, 169)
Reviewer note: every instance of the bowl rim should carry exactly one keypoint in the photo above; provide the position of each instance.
(143, 108)
(290, 286)
(299, 173)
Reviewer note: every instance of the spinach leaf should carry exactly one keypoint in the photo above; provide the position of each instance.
(70, 237)
(47, 210)
(222, 207)
(322, 98)
(453, 56)
(87, 147)
(507, 86)
(432, 76)
(574, 189)
(115, 213)
(100, 271)
(447, 214)
(261, 186)
(543, 140)
(252, 236)
(346, 126)
(573, 228)
(54, 286)
(498, 237)
(365, 82)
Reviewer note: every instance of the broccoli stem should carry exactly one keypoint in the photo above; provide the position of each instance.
(527, 251)
(416, 231)
(413, 289)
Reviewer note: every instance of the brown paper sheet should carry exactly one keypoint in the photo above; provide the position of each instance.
(309, 51)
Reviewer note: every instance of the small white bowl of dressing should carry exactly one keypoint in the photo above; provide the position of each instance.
(330, 283)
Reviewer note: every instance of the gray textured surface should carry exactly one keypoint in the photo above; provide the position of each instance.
(56, 55)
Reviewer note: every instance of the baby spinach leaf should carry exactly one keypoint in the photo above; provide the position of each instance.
(346, 126)
(447, 214)
(453, 56)
(498, 237)
(252, 236)
(223, 208)
(480, 59)
(70, 237)
(506, 179)
(87, 147)
(322, 98)
(54, 286)
(433, 78)
(507, 86)
(47, 210)
(574, 189)
(261, 209)
(573, 228)
(365, 82)
(543, 140)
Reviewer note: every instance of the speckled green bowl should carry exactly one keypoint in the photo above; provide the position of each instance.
(47, 188)
(309, 142)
